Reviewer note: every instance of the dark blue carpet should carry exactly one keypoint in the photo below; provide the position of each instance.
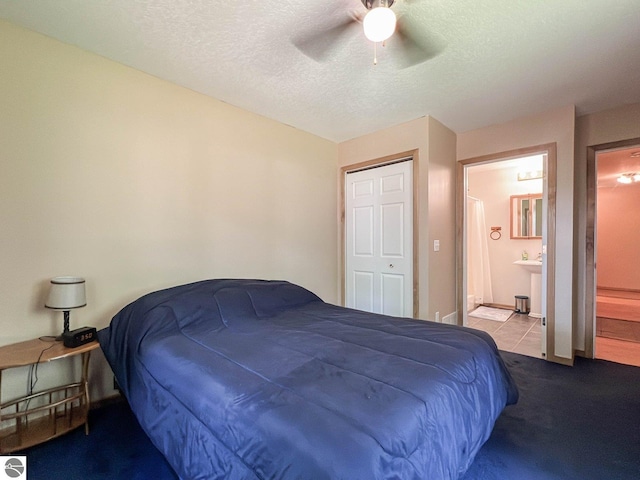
(116, 448)
(571, 423)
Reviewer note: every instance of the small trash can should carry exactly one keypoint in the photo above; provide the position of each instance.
(522, 304)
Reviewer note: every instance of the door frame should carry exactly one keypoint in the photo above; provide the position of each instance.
(590, 245)
(551, 190)
(408, 156)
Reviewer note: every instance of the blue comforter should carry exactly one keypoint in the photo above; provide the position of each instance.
(250, 379)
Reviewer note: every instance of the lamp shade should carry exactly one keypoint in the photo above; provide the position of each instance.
(66, 293)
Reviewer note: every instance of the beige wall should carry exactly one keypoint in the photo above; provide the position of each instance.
(554, 126)
(137, 184)
(435, 179)
(614, 125)
(441, 210)
(618, 237)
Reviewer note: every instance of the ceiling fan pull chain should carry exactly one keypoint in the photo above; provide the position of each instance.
(375, 53)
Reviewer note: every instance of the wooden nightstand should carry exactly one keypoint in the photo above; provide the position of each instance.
(33, 419)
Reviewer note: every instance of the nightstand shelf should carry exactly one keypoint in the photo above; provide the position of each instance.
(33, 419)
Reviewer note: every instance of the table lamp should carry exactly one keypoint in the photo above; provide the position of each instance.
(66, 293)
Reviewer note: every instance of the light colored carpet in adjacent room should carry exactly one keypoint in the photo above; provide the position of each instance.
(620, 308)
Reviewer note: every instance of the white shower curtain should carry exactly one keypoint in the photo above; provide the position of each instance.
(478, 270)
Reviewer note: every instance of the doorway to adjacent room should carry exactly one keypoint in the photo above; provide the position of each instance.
(616, 325)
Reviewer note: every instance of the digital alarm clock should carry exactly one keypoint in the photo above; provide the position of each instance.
(79, 336)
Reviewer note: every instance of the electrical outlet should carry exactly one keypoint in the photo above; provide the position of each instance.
(436, 245)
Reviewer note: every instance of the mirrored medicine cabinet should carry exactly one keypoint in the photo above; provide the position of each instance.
(526, 216)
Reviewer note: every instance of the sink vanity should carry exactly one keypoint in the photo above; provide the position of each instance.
(534, 267)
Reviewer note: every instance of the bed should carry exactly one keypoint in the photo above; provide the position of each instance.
(255, 379)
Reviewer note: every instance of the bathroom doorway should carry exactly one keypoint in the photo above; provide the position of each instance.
(502, 188)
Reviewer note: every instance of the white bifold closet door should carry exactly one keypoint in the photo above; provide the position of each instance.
(379, 239)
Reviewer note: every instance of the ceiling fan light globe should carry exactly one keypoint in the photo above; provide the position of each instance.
(626, 179)
(379, 24)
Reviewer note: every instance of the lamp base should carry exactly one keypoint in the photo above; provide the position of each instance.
(65, 330)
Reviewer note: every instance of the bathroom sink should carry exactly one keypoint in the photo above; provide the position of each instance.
(532, 266)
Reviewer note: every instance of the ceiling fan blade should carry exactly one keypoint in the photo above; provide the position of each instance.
(318, 45)
(417, 45)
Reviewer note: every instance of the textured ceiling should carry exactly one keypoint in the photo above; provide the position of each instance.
(499, 59)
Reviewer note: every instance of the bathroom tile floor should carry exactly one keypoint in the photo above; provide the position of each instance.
(519, 334)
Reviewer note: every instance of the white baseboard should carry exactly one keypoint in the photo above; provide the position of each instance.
(451, 319)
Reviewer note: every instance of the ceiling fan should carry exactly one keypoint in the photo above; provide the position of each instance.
(379, 24)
